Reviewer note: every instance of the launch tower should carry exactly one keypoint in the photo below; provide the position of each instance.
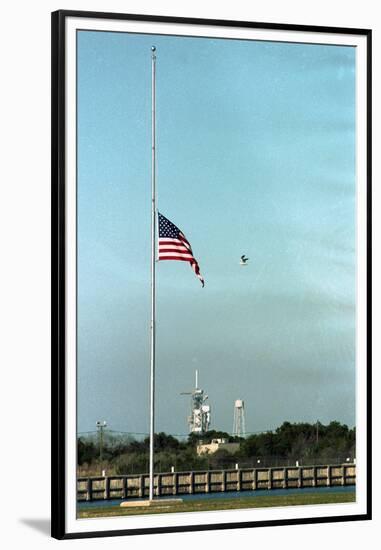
(199, 418)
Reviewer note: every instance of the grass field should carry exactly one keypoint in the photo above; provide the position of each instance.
(221, 504)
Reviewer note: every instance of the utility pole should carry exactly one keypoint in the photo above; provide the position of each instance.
(100, 427)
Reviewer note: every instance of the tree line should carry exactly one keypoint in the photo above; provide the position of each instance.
(291, 442)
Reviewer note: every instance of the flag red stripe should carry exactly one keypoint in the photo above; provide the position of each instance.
(175, 245)
(176, 251)
(180, 258)
(170, 241)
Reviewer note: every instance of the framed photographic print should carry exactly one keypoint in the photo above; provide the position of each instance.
(211, 274)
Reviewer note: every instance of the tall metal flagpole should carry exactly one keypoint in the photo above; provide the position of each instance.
(153, 277)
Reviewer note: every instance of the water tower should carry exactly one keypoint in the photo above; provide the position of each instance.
(239, 418)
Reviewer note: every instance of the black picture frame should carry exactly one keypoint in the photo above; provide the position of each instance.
(59, 245)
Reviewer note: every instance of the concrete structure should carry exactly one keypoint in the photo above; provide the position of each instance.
(217, 445)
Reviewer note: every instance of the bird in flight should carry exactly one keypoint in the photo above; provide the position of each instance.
(244, 260)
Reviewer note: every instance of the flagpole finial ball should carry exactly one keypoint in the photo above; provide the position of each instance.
(153, 48)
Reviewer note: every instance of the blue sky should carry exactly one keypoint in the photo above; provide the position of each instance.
(255, 155)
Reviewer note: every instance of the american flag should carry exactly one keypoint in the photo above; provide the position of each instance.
(173, 245)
